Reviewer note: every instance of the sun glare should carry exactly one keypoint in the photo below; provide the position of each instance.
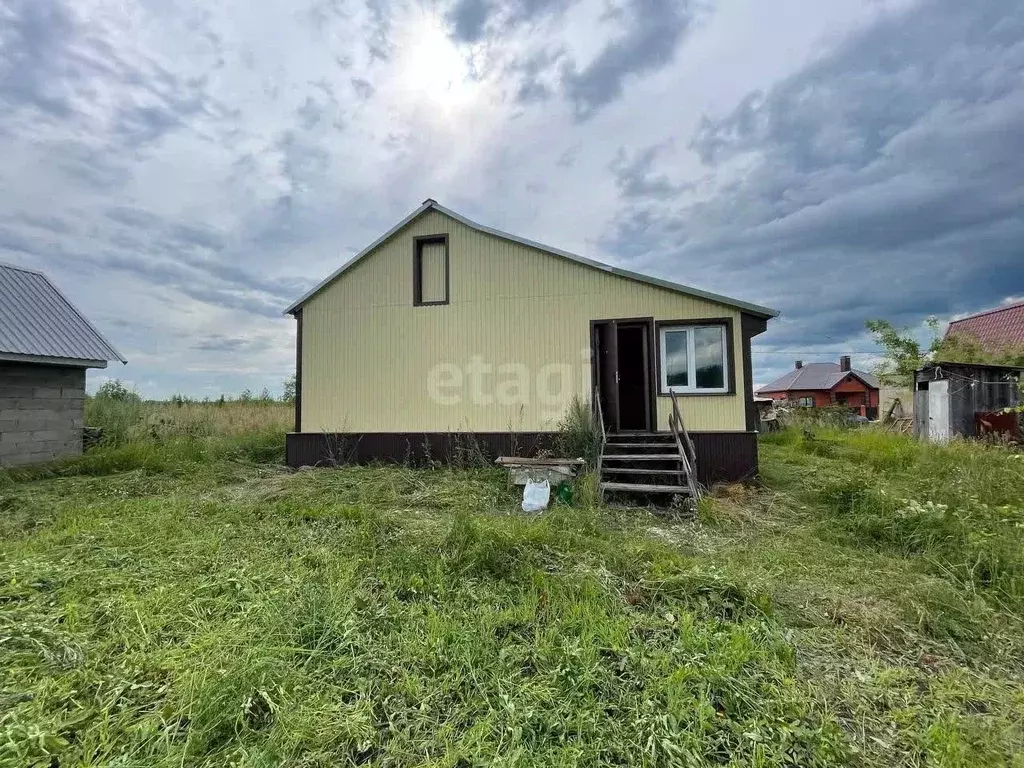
(430, 66)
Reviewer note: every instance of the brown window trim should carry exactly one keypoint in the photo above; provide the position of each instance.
(417, 270)
(730, 345)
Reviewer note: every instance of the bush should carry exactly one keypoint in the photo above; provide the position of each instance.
(579, 433)
(117, 416)
(117, 391)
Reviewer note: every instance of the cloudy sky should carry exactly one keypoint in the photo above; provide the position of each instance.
(183, 169)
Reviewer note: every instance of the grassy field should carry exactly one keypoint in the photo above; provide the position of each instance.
(185, 600)
(137, 421)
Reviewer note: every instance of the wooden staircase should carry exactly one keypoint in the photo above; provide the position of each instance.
(658, 464)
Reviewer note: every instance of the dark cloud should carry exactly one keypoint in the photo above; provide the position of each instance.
(881, 180)
(378, 32)
(652, 31)
(33, 37)
(92, 167)
(636, 176)
(522, 11)
(309, 113)
(52, 224)
(218, 343)
(467, 20)
(364, 88)
(534, 75)
(194, 259)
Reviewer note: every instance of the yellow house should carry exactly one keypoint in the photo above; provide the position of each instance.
(444, 329)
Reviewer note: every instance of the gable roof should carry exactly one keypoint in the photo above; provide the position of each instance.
(995, 329)
(39, 324)
(754, 309)
(817, 376)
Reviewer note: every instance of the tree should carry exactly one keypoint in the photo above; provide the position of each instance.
(117, 391)
(288, 395)
(904, 355)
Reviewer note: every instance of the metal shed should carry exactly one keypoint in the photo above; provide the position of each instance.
(966, 400)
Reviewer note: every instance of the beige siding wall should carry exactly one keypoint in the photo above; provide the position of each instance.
(518, 317)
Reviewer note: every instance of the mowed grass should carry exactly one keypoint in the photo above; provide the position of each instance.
(190, 602)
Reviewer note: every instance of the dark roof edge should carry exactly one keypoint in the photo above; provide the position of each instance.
(1015, 305)
(70, 362)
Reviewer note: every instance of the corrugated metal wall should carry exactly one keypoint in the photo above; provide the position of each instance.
(508, 352)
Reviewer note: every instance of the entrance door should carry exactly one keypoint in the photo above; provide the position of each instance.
(621, 356)
(938, 411)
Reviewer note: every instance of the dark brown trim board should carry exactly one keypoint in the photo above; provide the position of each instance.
(730, 347)
(722, 457)
(750, 327)
(298, 370)
(417, 269)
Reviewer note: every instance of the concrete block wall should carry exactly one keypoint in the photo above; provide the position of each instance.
(42, 412)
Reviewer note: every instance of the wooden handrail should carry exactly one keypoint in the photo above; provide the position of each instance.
(599, 413)
(682, 429)
(687, 455)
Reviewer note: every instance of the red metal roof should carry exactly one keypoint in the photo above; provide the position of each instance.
(995, 329)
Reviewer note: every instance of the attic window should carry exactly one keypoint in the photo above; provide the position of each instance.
(430, 274)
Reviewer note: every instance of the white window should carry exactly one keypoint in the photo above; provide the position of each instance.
(694, 359)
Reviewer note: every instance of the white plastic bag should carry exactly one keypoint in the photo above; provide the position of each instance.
(536, 495)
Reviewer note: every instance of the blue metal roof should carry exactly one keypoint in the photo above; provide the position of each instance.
(39, 324)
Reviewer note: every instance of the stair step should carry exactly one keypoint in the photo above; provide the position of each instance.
(638, 445)
(635, 471)
(644, 488)
(641, 457)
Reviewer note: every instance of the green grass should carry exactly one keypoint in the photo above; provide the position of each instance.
(190, 602)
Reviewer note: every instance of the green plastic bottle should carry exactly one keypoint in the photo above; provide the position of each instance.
(564, 493)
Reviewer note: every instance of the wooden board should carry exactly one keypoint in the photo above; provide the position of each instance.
(515, 461)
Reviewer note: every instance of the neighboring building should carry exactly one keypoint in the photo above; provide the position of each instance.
(819, 385)
(966, 400)
(445, 333)
(45, 346)
(996, 330)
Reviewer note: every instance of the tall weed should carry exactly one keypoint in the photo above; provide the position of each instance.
(579, 434)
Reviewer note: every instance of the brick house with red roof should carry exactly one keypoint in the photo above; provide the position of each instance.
(820, 385)
(995, 330)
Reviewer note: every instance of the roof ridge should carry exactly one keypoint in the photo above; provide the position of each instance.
(1014, 305)
(19, 268)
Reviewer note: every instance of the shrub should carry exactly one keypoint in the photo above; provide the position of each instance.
(579, 435)
(117, 416)
(117, 391)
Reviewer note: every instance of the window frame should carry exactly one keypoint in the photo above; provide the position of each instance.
(417, 269)
(726, 326)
